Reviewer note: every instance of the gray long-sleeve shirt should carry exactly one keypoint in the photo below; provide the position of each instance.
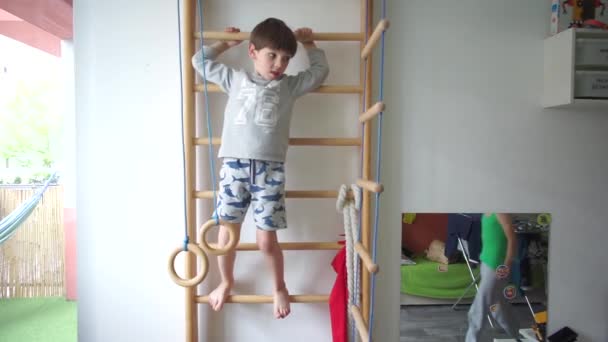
(258, 112)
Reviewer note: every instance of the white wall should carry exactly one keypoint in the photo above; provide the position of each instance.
(465, 132)
(130, 212)
(129, 176)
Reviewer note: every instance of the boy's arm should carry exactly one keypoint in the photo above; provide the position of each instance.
(311, 78)
(212, 70)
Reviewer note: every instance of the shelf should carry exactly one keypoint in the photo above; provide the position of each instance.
(560, 69)
(590, 33)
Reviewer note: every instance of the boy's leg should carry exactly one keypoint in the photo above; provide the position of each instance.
(269, 245)
(225, 262)
(232, 203)
(268, 202)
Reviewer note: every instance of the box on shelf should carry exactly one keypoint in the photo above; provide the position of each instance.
(591, 84)
(592, 52)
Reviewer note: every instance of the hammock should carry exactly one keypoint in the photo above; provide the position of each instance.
(10, 223)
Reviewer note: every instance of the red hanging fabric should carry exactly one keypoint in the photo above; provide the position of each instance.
(338, 299)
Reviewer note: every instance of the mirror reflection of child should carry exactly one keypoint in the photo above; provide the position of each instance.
(497, 252)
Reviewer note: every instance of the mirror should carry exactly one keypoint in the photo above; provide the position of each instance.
(474, 276)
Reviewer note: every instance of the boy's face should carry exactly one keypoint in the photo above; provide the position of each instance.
(269, 63)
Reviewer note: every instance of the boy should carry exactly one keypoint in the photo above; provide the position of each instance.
(255, 138)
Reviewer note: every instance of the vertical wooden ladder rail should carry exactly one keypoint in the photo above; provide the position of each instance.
(365, 98)
(188, 20)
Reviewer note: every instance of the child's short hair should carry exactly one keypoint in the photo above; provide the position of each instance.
(275, 34)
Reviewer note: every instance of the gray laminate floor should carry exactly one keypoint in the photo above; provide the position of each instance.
(439, 323)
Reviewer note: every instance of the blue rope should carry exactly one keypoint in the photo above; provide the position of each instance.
(377, 197)
(209, 130)
(181, 90)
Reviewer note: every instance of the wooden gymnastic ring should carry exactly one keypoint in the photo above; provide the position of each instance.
(198, 278)
(212, 250)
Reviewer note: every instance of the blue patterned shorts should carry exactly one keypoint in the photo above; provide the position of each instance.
(259, 183)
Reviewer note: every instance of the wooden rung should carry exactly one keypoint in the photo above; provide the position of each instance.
(291, 246)
(311, 194)
(372, 112)
(325, 89)
(205, 141)
(373, 39)
(327, 36)
(366, 258)
(297, 141)
(325, 141)
(256, 299)
(361, 327)
(370, 186)
(288, 194)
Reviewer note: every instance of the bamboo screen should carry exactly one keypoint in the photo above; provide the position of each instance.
(32, 260)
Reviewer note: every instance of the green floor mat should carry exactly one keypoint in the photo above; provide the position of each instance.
(426, 279)
(38, 320)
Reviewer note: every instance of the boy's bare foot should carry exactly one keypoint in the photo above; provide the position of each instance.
(281, 303)
(217, 297)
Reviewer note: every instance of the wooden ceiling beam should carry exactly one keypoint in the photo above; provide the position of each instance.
(52, 16)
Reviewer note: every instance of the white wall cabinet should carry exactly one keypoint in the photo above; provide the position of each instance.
(575, 67)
